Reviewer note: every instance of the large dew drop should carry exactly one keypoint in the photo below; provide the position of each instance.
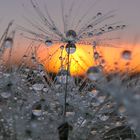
(8, 43)
(38, 87)
(110, 28)
(37, 111)
(5, 95)
(71, 34)
(70, 48)
(48, 43)
(103, 117)
(62, 76)
(94, 73)
(99, 14)
(94, 44)
(126, 54)
(96, 55)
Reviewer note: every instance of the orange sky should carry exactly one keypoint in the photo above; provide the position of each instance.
(82, 59)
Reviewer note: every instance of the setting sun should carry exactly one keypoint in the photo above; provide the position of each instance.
(53, 58)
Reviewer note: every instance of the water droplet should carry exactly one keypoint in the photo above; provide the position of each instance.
(61, 76)
(90, 34)
(38, 87)
(5, 94)
(45, 110)
(70, 114)
(62, 47)
(96, 55)
(89, 26)
(99, 14)
(103, 62)
(92, 94)
(54, 29)
(8, 43)
(101, 99)
(126, 54)
(95, 92)
(103, 117)
(48, 43)
(2, 120)
(137, 96)
(122, 109)
(70, 48)
(127, 64)
(61, 58)
(33, 58)
(26, 70)
(93, 131)
(94, 44)
(110, 28)
(37, 109)
(94, 73)
(99, 33)
(25, 57)
(40, 67)
(95, 102)
(118, 123)
(102, 30)
(71, 35)
(117, 27)
(123, 26)
(45, 89)
(70, 110)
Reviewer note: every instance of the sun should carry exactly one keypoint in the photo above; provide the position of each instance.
(55, 57)
(121, 59)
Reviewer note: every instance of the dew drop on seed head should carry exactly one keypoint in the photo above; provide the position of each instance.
(70, 48)
(99, 14)
(61, 76)
(110, 28)
(89, 26)
(126, 54)
(94, 73)
(117, 27)
(103, 117)
(94, 44)
(123, 26)
(36, 110)
(8, 43)
(61, 47)
(38, 87)
(48, 43)
(96, 55)
(71, 34)
(90, 34)
(5, 95)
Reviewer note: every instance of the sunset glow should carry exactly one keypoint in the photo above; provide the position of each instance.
(82, 59)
